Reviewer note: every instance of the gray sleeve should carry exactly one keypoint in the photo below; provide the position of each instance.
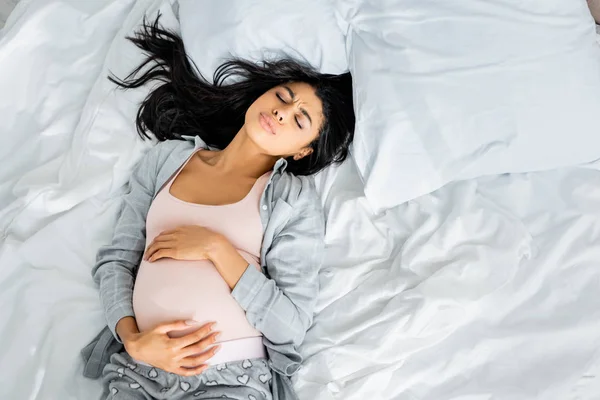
(281, 307)
(117, 262)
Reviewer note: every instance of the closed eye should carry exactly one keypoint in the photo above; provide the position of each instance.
(283, 101)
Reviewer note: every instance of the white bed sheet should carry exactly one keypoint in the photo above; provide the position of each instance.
(485, 289)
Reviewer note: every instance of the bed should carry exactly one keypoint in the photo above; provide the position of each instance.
(487, 288)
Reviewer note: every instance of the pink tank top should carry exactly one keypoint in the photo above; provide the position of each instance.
(167, 290)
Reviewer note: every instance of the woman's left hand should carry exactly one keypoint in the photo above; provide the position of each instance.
(193, 242)
(189, 242)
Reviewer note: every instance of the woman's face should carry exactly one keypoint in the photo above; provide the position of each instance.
(285, 120)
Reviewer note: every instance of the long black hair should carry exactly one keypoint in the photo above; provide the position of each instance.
(187, 104)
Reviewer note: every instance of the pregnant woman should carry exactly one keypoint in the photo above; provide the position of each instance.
(211, 277)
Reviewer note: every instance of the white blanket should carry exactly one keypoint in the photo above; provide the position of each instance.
(485, 289)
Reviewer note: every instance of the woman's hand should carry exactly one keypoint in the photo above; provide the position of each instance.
(193, 242)
(189, 242)
(182, 356)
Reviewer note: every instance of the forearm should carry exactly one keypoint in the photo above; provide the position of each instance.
(228, 261)
(270, 310)
(117, 262)
(116, 293)
(267, 308)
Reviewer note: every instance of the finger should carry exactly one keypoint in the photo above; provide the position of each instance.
(155, 246)
(199, 346)
(163, 237)
(159, 238)
(181, 325)
(191, 371)
(193, 337)
(162, 253)
(149, 250)
(199, 359)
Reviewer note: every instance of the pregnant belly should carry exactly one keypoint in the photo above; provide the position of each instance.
(167, 290)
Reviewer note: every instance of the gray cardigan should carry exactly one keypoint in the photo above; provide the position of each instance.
(278, 302)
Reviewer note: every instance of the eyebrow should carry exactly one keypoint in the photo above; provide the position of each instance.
(302, 110)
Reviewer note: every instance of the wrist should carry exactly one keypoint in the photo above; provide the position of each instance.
(228, 261)
(218, 244)
(129, 339)
(127, 329)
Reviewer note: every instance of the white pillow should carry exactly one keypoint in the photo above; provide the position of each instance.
(452, 90)
(257, 30)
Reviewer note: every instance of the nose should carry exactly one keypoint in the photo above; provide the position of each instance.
(280, 114)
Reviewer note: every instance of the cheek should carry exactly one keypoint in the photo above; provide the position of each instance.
(287, 141)
(273, 145)
(252, 124)
(284, 143)
(251, 114)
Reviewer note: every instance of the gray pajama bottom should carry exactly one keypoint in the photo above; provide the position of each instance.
(239, 380)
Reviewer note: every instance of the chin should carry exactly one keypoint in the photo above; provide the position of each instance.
(259, 137)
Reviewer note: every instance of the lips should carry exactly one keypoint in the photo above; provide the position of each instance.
(267, 123)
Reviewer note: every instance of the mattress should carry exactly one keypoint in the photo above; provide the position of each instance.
(484, 289)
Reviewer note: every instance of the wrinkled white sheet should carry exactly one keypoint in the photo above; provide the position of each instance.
(485, 289)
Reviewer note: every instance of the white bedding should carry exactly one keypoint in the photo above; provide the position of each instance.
(486, 289)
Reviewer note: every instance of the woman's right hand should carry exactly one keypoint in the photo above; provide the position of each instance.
(184, 355)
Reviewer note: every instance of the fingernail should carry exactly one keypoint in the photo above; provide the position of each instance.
(191, 322)
(216, 336)
(216, 348)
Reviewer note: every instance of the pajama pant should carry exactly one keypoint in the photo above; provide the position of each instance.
(239, 380)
